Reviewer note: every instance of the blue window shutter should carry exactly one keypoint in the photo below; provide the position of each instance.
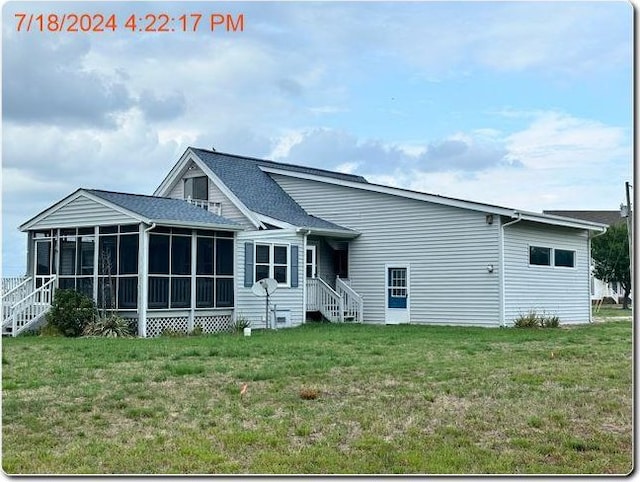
(294, 266)
(248, 265)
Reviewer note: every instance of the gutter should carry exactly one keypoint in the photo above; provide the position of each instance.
(502, 267)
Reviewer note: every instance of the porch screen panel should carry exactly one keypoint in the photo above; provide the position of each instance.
(43, 258)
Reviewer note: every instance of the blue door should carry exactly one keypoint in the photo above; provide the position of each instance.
(397, 281)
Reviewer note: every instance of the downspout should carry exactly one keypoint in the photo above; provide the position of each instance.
(305, 232)
(502, 267)
(589, 274)
(144, 282)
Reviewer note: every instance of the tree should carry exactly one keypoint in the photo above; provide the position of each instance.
(610, 253)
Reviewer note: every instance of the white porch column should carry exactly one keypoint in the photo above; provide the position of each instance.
(192, 309)
(143, 279)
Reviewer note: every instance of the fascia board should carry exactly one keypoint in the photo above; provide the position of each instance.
(72, 197)
(175, 173)
(275, 222)
(561, 221)
(187, 224)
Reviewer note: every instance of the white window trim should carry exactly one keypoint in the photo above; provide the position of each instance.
(272, 259)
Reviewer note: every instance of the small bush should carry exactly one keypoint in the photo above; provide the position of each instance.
(197, 331)
(240, 324)
(549, 321)
(111, 326)
(71, 312)
(534, 320)
(530, 320)
(171, 333)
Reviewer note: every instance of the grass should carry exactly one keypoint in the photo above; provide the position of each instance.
(611, 311)
(323, 399)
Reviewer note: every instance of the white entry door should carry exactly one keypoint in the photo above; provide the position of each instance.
(397, 294)
(310, 262)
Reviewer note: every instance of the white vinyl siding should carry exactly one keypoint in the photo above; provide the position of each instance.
(553, 289)
(447, 248)
(83, 211)
(229, 210)
(249, 305)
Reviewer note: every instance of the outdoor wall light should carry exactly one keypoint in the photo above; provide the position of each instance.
(490, 268)
(489, 218)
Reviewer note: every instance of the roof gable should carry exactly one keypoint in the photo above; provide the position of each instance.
(97, 207)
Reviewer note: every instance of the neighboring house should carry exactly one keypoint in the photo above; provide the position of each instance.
(336, 244)
(600, 290)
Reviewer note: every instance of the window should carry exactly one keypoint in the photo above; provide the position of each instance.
(564, 257)
(196, 188)
(542, 256)
(539, 256)
(272, 261)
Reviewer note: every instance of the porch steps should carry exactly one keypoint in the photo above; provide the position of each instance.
(20, 311)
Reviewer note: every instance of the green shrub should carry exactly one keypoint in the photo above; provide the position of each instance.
(71, 312)
(240, 324)
(529, 320)
(550, 321)
(111, 326)
(533, 320)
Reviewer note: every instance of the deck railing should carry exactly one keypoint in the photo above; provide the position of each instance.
(211, 206)
(323, 298)
(353, 304)
(30, 309)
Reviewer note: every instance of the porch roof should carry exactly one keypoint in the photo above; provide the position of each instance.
(138, 207)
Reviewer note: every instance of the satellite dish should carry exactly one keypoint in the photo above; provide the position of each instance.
(265, 287)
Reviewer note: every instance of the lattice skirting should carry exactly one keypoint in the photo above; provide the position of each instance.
(155, 326)
(180, 324)
(213, 323)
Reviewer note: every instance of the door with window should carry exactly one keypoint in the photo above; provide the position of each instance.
(44, 261)
(397, 294)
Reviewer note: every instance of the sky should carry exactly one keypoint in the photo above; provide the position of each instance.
(526, 105)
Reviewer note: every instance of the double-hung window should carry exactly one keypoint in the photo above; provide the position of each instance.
(272, 261)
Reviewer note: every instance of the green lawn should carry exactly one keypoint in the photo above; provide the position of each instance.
(394, 399)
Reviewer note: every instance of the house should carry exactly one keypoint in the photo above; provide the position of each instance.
(600, 290)
(337, 245)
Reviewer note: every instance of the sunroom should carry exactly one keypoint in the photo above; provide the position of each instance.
(163, 264)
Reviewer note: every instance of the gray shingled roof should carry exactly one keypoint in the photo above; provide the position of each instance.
(260, 193)
(604, 217)
(163, 209)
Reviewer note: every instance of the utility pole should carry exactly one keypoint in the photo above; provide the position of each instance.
(630, 232)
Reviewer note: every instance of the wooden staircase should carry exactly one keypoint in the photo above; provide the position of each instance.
(337, 306)
(23, 306)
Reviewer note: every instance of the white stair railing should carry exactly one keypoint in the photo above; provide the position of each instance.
(29, 309)
(323, 298)
(15, 294)
(11, 283)
(353, 304)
